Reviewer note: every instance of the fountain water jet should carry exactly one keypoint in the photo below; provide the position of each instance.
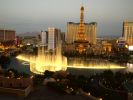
(46, 61)
(93, 64)
(56, 62)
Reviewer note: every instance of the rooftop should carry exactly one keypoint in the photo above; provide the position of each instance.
(91, 23)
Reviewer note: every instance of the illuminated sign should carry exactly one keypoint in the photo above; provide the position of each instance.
(130, 48)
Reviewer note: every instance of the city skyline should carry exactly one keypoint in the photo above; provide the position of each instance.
(33, 15)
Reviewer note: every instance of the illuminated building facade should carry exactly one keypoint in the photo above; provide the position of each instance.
(90, 30)
(81, 43)
(44, 38)
(54, 37)
(121, 45)
(7, 35)
(128, 32)
(121, 42)
(107, 47)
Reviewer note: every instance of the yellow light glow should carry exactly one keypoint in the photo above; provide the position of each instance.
(39, 65)
(130, 48)
(56, 62)
(100, 99)
(126, 46)
(42, 62)
(98, 67)
(22, 57)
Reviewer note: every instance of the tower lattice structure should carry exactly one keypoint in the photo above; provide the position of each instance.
(81, 30)
(81, 43)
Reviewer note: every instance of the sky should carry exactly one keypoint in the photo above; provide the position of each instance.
(37, 15)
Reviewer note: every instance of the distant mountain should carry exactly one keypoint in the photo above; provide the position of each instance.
(29, 34)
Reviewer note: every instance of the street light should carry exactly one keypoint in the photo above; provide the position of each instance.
(100, 99)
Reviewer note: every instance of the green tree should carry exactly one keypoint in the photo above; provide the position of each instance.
(5, 61)
(48, 74)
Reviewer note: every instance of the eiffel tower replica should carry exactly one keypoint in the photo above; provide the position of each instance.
(81, 44)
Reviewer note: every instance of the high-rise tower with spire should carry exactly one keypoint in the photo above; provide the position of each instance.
(81, 30)
(81, 43)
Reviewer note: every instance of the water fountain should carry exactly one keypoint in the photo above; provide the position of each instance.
(92, 64)
(56, 61)
(45, 61)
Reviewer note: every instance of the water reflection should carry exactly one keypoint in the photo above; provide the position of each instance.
(93, 64)
(56, 62)
(45, 61)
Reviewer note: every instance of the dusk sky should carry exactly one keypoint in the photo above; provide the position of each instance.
(37, 15)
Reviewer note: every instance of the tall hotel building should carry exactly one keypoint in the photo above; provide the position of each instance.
(6, 35)
(90, 32)
(54, 37)
(44, 38)
(128, 32)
